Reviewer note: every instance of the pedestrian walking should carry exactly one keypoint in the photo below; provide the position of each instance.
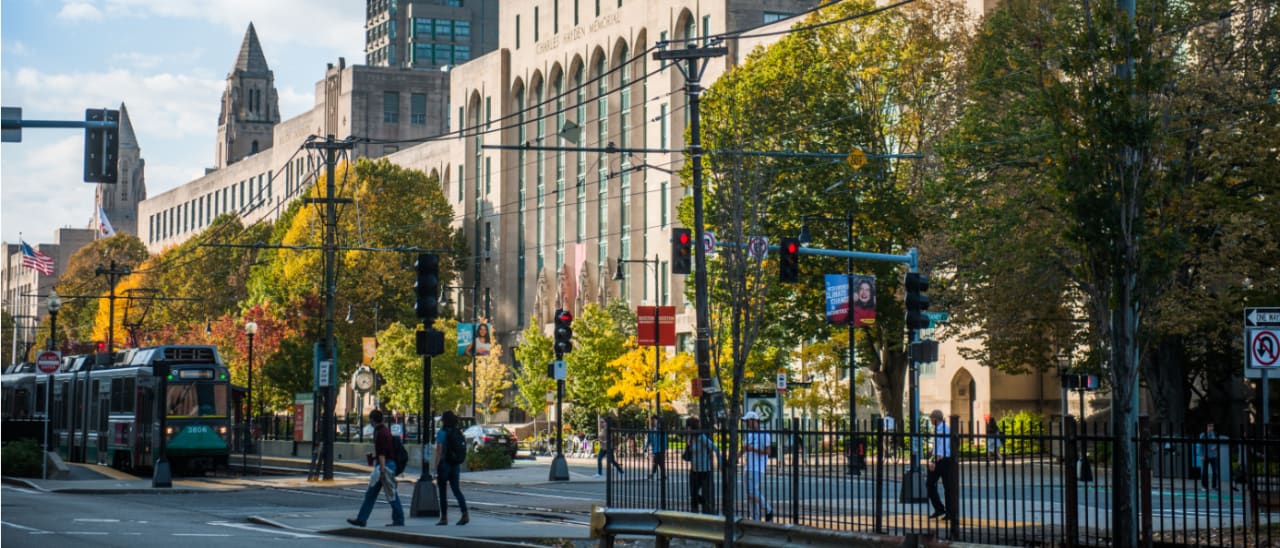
(995, 438)
(606, 448)
(1207, 451)
(755, 450)
(702, 456)
(447, 459)
(656, 441)
(943, 466)
(382, 478)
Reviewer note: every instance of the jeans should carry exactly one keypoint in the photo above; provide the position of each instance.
(447, 477)
(700, 496)
(1209, 472)
(606, 453)
(371, 496)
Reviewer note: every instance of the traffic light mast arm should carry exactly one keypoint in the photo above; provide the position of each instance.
(910, 258)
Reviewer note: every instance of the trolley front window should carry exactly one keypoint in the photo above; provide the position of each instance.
(198, 399)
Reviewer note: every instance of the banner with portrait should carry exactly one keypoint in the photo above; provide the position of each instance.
(864, 300)
(473, 338)
(861, 299)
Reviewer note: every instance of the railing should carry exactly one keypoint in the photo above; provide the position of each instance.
(1046, 482)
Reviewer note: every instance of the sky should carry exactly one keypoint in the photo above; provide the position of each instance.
(167, 61)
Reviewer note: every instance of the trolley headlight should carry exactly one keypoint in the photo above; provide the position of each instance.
(222, 431)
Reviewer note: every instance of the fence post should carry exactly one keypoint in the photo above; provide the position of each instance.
(877, 426)
(953, 480)
(1144, 478)
(1071, 509)
(795, 470)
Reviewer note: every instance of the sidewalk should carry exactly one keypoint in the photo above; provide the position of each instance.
(486, 528)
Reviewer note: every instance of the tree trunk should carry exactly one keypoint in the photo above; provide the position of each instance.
(890, 380)
(1166, 380)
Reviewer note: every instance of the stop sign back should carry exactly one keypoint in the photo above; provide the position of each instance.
(48, 361)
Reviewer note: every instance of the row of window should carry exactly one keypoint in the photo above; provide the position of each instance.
(440, 54)
(440, 29)
(197, 213)
(383, 56)
(391, 108)
(385, 28)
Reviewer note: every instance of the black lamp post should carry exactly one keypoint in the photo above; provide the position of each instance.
(250, 329)
(619, 275)
(55, 302)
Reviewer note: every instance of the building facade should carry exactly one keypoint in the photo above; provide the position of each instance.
(428, 34)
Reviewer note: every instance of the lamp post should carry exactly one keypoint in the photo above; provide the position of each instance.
(250, 329)
(377, 309)
(55, 302)
(619, 275)
(805, 239)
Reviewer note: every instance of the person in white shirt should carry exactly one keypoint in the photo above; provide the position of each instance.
(755, 450)
(942, 466)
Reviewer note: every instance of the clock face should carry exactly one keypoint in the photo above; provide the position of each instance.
(363, 380)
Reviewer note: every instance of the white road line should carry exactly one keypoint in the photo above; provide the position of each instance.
(96, 520)
(23, 527)
(201, 535)
(264, 530)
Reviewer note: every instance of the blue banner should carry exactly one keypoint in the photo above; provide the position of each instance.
(469, 342)
(837, 298)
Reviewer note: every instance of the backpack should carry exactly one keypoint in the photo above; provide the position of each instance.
(402, 455)
(455, 446)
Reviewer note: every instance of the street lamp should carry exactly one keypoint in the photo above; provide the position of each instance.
(619, 275)
(250, 329)
(55, 302)
(805, 239)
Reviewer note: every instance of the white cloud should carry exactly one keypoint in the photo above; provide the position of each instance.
(336, 25)
(16, 48)
(79, 11)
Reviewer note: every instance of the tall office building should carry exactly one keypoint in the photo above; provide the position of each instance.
(428, 34)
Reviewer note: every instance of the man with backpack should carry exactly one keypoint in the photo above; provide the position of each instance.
(383, 476)
(447, 459)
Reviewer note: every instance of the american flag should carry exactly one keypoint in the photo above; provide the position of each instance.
(36, 260)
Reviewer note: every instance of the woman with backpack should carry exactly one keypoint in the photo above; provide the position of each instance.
(447, 459)
(383, 476)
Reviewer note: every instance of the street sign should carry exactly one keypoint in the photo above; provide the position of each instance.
(666, 317)
(1264, 348)
(48, 361)
(709, 242)
(758, 247)
(324, 373)
(782, 383)
(1261, 345)
(559, 370)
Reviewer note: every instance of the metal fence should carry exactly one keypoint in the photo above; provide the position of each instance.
(1032, 485)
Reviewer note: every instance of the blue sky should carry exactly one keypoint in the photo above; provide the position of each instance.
(167, 62)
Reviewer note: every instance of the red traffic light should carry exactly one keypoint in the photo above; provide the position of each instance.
(792, 247)
(684, 238)
(102, 346)
(565, 316)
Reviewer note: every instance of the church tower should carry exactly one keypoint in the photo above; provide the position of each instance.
(120, 201)
(250, 107)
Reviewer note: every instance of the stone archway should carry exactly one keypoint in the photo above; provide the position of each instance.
(963, 397)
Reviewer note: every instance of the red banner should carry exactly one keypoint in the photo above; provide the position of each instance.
(666, 322)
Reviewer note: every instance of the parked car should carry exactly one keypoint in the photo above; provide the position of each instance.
(486, 435)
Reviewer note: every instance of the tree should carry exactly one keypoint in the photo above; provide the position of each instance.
(493, 379)
(533, 355)
(398, 362)
(597, 342)
(635, 384)
(79, 315)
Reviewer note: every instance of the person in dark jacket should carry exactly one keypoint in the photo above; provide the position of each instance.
(447, 474)
(383, 476)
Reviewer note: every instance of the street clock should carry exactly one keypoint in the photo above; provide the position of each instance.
(362, 380)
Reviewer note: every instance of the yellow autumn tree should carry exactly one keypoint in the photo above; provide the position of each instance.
(493, 379)
(636, 371)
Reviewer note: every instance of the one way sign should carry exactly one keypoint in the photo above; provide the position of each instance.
(1261, 317)
(1261, 341)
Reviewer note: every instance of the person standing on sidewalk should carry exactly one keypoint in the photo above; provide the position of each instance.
(755, 449)
(703, 456)
(657, 443)
(1208, 461)
(447, 459)
(943, 466)
(606, 449)
(382, 478)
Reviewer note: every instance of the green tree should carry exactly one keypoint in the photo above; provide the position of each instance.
(597, 342)
(87, 291)
(533, 354)
(398, 362)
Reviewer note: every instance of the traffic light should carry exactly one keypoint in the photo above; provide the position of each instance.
(917, 302)
(427, 287)
(789, 263)
(681, 251)
(564, 332)
(101, 147)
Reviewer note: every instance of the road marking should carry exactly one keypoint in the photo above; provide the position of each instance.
(96, 520)
(23, 527)
(265, 530)
(201, 535)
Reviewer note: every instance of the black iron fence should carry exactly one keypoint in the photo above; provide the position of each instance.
(1032, 485)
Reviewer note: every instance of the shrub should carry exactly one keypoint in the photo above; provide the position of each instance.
(488, 458)
(1022, 431)
(20, 458)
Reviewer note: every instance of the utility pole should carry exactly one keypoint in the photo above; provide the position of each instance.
(702, 323)
(113, 274)
(325, 394)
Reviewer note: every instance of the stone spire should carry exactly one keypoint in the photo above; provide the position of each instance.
(251, 58)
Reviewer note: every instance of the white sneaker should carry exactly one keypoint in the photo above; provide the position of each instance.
(596, 476)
